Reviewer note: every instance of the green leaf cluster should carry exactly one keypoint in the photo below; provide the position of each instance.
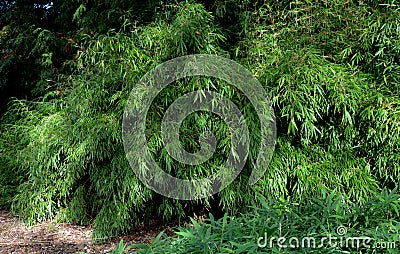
(301, 228)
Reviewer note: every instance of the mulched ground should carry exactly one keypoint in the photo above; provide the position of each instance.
(49, 237)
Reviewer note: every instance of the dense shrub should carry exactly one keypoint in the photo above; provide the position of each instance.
(329, 67)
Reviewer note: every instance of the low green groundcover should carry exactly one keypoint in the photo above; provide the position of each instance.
(328, 225)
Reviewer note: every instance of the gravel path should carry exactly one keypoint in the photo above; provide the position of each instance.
(49, 237)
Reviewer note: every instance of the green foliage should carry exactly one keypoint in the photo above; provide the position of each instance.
(378, 46)
(315, 218)
(192, 31)
(119, 249)
(331, 69)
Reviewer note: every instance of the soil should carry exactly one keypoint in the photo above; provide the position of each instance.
(51, 237)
